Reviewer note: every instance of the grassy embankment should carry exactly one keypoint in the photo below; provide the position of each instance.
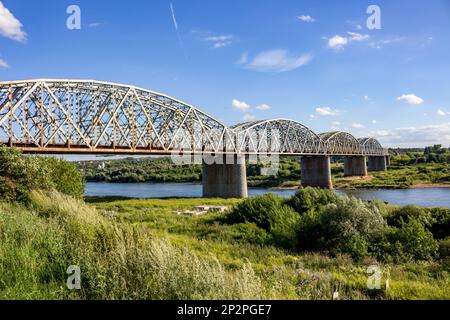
(138, 249)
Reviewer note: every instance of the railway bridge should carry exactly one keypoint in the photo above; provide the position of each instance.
(61, 116)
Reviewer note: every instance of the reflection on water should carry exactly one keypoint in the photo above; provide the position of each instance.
(431, 197)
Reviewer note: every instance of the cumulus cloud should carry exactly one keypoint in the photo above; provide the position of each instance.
(306, 18)
(3, 64)
(263, 107)
(338, 41)
(277, 60)
(220, 41)
(326, 111)
(10, 27)
(240, 105)
(410, 99)
(440, 112)
(415, 136)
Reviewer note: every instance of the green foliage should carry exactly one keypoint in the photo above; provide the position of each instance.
(412, 241)
(348, 227)
(20, 174)
(306, 199)
(444, 248)
(405, 214)
(269, 213)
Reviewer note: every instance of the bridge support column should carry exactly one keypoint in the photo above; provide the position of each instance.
(388, 160)
(224, 177)
(355, 166)
(316, 172)
(377, 163)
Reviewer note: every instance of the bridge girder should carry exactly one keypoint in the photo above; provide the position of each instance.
(88, 116)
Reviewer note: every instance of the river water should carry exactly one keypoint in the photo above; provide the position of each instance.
(427, 197)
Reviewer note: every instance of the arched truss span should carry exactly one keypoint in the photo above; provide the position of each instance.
(276, 136)
(371, 146)
(87, 115)
(340, 143)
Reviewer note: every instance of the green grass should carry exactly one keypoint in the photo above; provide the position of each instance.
(139, 249)
(296, 276)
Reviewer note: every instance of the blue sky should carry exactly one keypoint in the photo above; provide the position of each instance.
(312, 61)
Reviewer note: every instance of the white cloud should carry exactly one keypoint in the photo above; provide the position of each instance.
(3, 64)
(220, 41)
(248, 117)
(337, 42)
(326, 111)
(336, 123)
(357, 125)
(357, 36)
(374, 121)
(174, 18)
(10, 27)
(440, 112)
(415, 136)
(240, 105)
(306, 18)
(263, 107)
(367, 98)
(410, 99)
(277, 60)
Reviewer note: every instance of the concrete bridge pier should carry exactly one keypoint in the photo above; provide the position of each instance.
(316, 172)
(377, 163)
(388, 160)
(224, 176)
(355, 166)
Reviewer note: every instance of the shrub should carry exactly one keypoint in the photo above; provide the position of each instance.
(311, 199)
(405, 214)
(444, 248)
(440, 227)
(410, 242)
(346, 227)
(269, 213)
(19, 174)
(65, 176)
(251, 233)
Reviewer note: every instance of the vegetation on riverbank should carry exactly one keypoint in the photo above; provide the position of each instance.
(261, 248)
(407, 169)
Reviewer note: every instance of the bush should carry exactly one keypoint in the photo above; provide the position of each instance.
(269, 213)
(404, 215)
(410, 242)
(346, 227)
(311, 199)
(65, 176)
(440, 227)
(19, 174)
(444, 248)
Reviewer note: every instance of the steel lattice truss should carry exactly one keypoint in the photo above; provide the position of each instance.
(84, 116)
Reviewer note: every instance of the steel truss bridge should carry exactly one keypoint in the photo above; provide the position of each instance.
(94, 117)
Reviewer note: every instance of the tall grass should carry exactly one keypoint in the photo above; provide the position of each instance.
(117, 261)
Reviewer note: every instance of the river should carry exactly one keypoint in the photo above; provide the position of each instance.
(426, 197)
